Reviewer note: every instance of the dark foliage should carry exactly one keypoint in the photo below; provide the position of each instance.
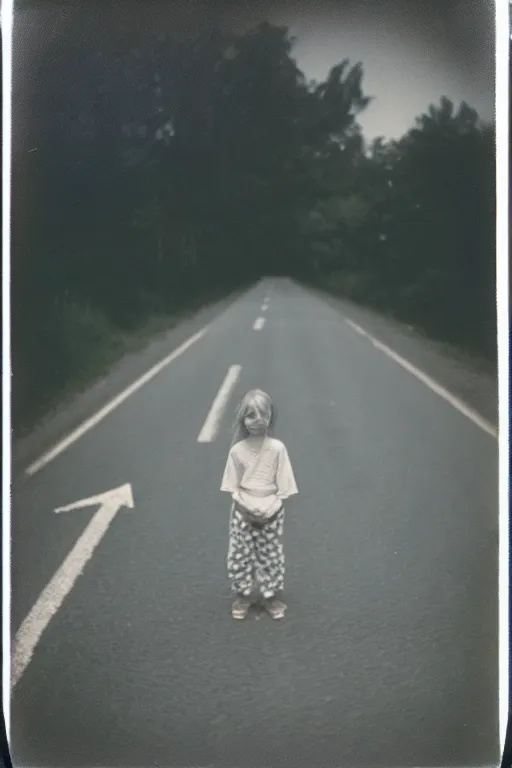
(176, 171)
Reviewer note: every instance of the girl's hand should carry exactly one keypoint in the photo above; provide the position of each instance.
(248, 515)
(244, 510)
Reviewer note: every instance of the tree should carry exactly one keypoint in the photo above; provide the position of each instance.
(424, 235)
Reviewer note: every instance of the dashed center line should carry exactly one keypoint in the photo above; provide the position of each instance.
(264, 307)
(210, 427)
(259, 323)
(454, 401)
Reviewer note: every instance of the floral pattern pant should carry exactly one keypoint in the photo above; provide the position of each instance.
(256, 554)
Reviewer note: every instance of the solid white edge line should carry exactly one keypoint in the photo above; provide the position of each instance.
(259, 323)
(356, 327)
(6, 16)
(454, 401)
(209, 429)
(112, 404)
(502, 30)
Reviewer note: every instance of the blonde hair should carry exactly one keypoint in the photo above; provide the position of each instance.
(263, 403)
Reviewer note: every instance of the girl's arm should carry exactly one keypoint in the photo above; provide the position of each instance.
(232, 474)
(285, 479)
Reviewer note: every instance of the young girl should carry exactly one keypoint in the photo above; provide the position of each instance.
(259, 477)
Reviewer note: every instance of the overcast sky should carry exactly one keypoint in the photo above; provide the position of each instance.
(404, 69)
(413, 51)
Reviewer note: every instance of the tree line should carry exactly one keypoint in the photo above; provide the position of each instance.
(175, 171)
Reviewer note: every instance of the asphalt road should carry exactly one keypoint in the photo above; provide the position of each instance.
(388, 655)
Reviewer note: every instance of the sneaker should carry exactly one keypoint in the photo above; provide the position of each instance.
(240, 608)
(275, 608)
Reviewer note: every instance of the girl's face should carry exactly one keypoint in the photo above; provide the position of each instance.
(256, 421)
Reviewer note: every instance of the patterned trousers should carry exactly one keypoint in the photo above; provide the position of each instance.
(256, 554)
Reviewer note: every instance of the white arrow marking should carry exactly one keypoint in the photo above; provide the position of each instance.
(59, 586)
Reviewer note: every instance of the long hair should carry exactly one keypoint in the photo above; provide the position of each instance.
(262, 402)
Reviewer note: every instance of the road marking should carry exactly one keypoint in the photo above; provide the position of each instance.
(110, 406)
(259, 323)
(356, 327)
(60, 585)
(454, 401)
(264, 307)
(210, 427)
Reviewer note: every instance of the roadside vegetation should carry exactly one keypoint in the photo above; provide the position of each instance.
(158, 177)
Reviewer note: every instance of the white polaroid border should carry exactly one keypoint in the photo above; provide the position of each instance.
(6, 18)
(503, 37)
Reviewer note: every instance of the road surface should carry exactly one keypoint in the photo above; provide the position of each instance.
(388, 655)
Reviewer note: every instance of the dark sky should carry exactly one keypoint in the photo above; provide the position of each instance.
(413, 51)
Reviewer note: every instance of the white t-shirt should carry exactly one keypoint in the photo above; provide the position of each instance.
(259, 478)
